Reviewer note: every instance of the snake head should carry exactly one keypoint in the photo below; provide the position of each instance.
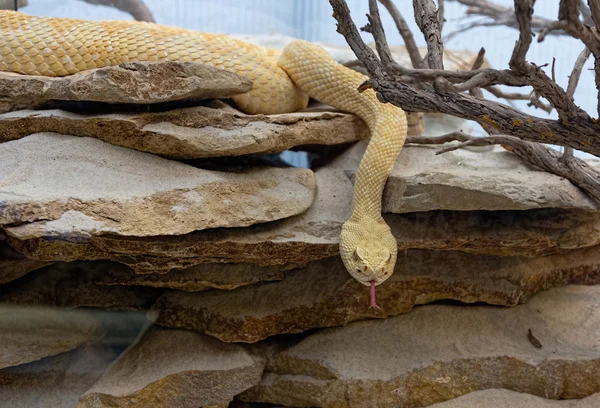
(368, 250)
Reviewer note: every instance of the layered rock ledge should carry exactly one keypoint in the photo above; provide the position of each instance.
(63, 186)
(131, 82)
(437, 353)
(323, 294)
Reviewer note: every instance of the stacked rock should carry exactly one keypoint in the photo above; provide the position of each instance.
(151, 256)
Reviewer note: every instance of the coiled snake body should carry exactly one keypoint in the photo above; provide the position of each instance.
(283, 82)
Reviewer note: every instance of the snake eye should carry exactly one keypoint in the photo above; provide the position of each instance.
(385, 255)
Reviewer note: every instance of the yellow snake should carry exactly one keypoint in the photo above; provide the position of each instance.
(283, 81)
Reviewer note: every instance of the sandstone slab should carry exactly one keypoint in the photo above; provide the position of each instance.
(314, 235)
(194, 132)
(56, 381)
(13, 264)
(57, 185)
(323, 294)
(29, 333)
(464, 180)
(436, 353)
(500, 398)
(131, 82)
(175, 369)
(70, 285)
(193, 279)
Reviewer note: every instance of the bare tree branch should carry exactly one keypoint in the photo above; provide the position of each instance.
(498, 16)
(376, 28)
(574, 128)
(441, 12)
(426, 18)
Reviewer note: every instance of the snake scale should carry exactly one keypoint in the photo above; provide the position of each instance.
(283, 81)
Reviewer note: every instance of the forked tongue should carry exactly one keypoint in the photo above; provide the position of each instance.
(373, 299)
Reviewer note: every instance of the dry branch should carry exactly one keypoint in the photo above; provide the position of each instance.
(513, 129)
(426, 16)
(574, 128)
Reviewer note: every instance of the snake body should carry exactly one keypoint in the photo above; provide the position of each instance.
(282, 82)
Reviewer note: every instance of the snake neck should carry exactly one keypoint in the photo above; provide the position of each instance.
(321, 77)
(388, 132)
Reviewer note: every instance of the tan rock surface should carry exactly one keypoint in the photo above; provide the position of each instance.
(436, 353)
(13, 264)
(56, 381)
(66, 186)
(464, 180)
(195, 132)
(323, 294)
(132, 82)
(314, 235)
(71, 285)
(500, 398)
(175, 369)
(193, 279)
(28, 333)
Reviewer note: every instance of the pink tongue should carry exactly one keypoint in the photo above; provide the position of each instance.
(373, 300)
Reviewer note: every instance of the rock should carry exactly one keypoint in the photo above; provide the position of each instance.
(323, 294)
(72, 285)
(193, 279)
(464, 180)
(131, 82)
(314, 235)
(195, 132)
(500, 398)
(28, 334)
(64, 186)
(56, 381)
(13, 264)
(438, 352)
(172, 368)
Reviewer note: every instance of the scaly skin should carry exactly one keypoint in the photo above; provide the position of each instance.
(282, 80)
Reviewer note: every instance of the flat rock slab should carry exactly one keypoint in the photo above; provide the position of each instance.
(314, 235)
(56, 381)
(175, 369)
(193, 279)
(13, 264)
(501, 398)
(57, 185)
(28, 333)
(464, 180)
(70, 285)
(196, 132)
(323, 294)
(436, 353)
(131, 82)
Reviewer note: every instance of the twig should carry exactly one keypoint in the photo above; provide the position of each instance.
(440, 15)
(498, 15)
(534, 100)
(406, 33)
(376, 28)
(574, 128)
(426, 18)
(523, 13)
